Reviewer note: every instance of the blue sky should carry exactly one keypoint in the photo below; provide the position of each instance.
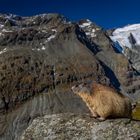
(106, 13)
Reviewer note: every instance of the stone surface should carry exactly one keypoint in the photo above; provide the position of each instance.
(75, 127)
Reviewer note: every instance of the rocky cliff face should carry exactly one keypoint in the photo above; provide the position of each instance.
(42, 56)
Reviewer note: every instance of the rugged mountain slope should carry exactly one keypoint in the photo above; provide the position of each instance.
(34, 49)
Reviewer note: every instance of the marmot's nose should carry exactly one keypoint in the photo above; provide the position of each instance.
(72, 88)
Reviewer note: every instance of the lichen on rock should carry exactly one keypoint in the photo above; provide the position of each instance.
(80, 127)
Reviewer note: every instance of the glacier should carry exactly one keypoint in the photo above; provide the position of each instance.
(121, 35)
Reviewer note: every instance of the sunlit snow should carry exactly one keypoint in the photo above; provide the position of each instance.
(1, 26)
(89, 30)
(43, 48)
(85, 24)
(50, 38)
(121, 35)
(3, 51)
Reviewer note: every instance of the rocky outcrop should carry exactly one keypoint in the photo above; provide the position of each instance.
(70, 126)
(61, 100)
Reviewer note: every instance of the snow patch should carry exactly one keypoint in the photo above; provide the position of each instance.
(93, 33)
(1, 25)
(50, 38)
(97, 29)
(3, 51)
(69, 22)
(85, 24)
(44, 31)
(1, 34)
(39, 49)
(89, 30)
(93, 30)
(43, 48)
(54, 30)
(4, 30)
(88, 33)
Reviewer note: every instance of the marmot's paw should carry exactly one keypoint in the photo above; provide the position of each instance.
(92, 116)
(101, 119)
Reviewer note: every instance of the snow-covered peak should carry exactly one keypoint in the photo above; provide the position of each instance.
(122, 35)
(89, 27)
(85, 23)
(128, 28)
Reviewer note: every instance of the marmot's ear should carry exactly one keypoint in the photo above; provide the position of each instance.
(90, 88)
(89, 92)
(134, 105)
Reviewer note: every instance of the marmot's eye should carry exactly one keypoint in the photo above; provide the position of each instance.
(76, 85)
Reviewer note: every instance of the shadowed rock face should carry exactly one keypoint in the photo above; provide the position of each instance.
(47, 53)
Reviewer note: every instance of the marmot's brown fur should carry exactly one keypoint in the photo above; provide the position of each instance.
(104, 101)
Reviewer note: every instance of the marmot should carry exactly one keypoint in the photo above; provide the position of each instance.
(104, 101)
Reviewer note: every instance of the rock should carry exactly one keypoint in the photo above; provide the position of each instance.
(75, 127)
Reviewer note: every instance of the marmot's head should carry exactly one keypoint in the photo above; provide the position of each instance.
(83, 88)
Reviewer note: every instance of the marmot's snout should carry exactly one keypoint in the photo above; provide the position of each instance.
(79, 89)
(74, 89)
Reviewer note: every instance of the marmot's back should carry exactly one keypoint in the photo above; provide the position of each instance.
(108, 102)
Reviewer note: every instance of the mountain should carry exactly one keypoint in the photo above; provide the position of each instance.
(33, 47)
(127, 77)
(43, 56)
(127, 41)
